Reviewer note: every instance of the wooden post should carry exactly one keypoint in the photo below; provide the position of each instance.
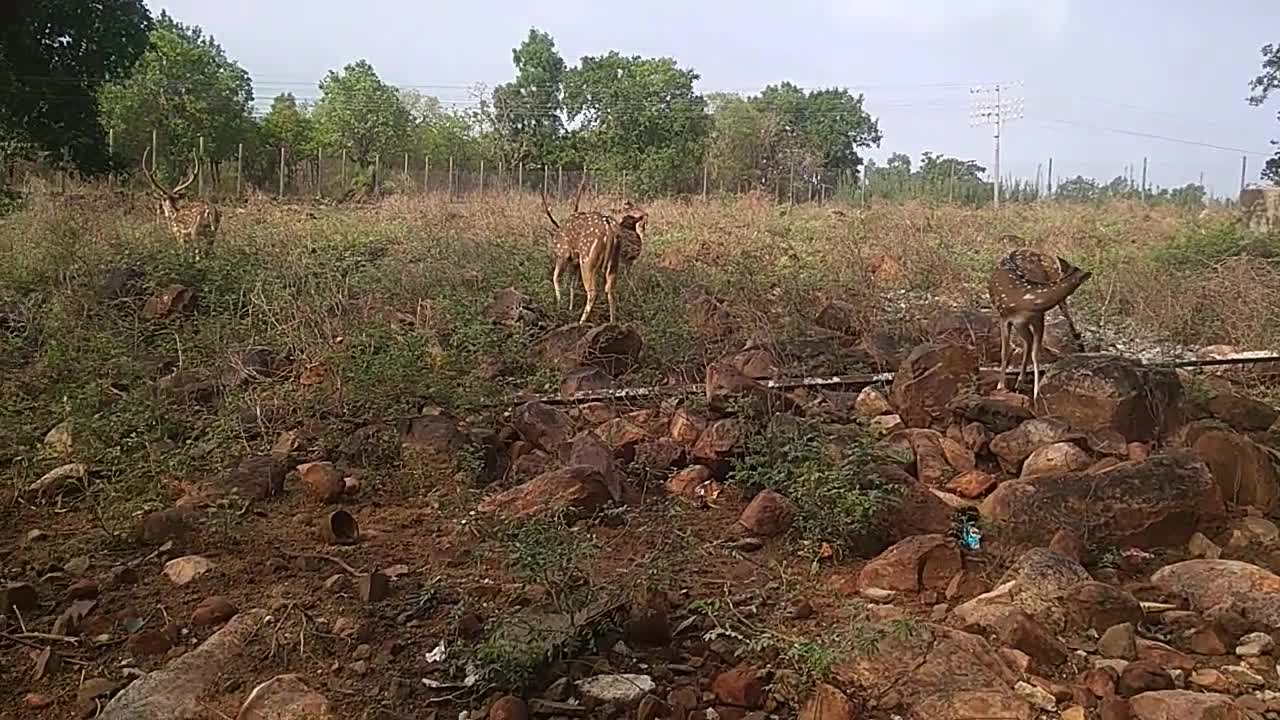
(407, 176)
(320, 172)
(791, 185)
(239, 168)
(559, 183)
(342, 177)
(520, 176)
(481, 176)
(1244, 170)
(450, 177)
(111, 154)
(426, 171)
(546, 174)
(200, 169)
(155, 149)
(704, 182)
(281, 193)
(377, 172)
(1144, 179)
(1049, 178)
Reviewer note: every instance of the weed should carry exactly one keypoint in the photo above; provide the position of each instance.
(547, 551)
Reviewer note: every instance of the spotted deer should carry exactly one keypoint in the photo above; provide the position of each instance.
(600, 244)
(189, 223)
(1025, 285)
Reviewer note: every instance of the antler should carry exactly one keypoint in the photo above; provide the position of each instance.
(195, 167)
(581, 186)
(159, 188)
(546, 207)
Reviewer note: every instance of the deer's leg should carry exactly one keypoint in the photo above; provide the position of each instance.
(588, 285)
(610, 278)
(1025, 333)
(1004, 354)
(555, 279)
(1037, 337)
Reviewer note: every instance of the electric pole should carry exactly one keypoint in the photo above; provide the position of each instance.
(997, 112)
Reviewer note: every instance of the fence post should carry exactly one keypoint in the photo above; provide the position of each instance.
(280, 194)
(520, 177)
(426, 172)
(200, 169)
(451, 177)
(791, 185)
(342, 176)
(155, 149)
(559, 183)
(407, 176)
(320, 172)
(546, 175)
(239, 168)
(481, 177)
(704, 182)
(111, 155)
(377, 173)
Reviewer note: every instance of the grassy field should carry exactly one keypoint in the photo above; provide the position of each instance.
(324, 320)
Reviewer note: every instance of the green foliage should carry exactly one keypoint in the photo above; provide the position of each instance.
(639, 117)
(1262, 86)
(185, 88)
(361, 114)
(1193, 249)
(54, 57)
(1079, 189)
(838, 497)
(527, 111)
(939, 178)
(821, 128)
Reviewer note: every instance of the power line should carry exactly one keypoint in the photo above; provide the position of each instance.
(1154, 136)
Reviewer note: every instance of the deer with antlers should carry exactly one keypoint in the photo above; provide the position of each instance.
(1025, 285)
(189, 223)
(599, 243)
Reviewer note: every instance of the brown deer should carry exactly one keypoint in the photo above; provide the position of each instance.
(1025, 285)
(600, 244)
(198, 220)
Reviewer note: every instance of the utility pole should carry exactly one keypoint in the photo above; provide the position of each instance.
(997, 112)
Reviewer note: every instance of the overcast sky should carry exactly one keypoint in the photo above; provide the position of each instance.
(1088, 68)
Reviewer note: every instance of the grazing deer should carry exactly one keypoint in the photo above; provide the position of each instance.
(1027, 284)
(189, 223)
(599, 243)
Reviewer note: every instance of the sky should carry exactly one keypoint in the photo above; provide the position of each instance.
(1096, 77)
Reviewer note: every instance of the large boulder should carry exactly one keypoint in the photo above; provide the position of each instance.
(1242, 413)
(1184, 705)
(1036, 584)
(1159, 502)
(1095, 392)
(1228, 585)
(543, 425)
(930, 378)
(575, 490)
(924, 562)
(1243, 470)
(980, 329)
(1014, 446)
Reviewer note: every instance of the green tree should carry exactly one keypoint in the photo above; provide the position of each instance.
(740, 137)
(288, 125)
(440, 133)
(820, 128)
(361, 114)
(638, 117)
(1079, 189)
(1262, 86)
(527, 111)
(55, 56)
(185, 88)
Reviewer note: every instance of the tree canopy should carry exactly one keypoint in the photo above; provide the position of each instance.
(527, 112)
(55, 55)
(361, 114)
(1262, 86)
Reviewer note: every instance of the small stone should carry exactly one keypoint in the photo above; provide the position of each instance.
(1143, 676)
(1200, 546)
(36, 701)
(1068, 544)
(621, 689)
(1101, 681)
(83, 589)
(886, 424)
(768, 514)
(1211, 680)
(1204, 641)
(21, 596)
(150, 643)
(373, 587)
(650, 708)
(78, 565)
(359, 667)
(870, 403)
(741, 687)
(323, 482)
(1119, 641)
(509, 707)
(827, 703)
(1038, 697)
(1255, 645)
(183, 570)
(1075, 712)
(1114, 708)
(213, 611)
(91, 692)
(1243, 675)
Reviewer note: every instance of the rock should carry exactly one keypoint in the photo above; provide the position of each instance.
(1253, 530)
(840, 316)
(213, 611)
(870, 403)
(1036, 583)
(1200, 546)
(728, 390)
(18, 595)
(1226, 585)
(173, 300)
(721, 439)
(972, 484)
(509, 707)
(433, 441)
(511, 307)
(83, 589)
(257, 477)
(1019, 631)
(1255, 644)
(1244, 676)
(684, 483)
(1014, 446)
(1075, 712)
(183, 570)
(322, 481)
(1183, 705)
(649, 623)
(1101, 681)
(938, 458)
(1242, 468)
(1096, 392)
(373, 587)
(928, 379)
(542, 425)
(885, 424)
(827, 703)
(651, 708)
(1114, 708)
(162, 526)
(179, 689)
(1242, 413)
(1204, 641)
(686, 427)
(1211, 680)
(1068, 544)
(658, 455)
(1097, 606)
(1143, 676)
(58, 480)
(1056, 459)
(587, 450)
(1120, 642)
(1037, 697)
(924, 562)
(741, 687)
(579, 488)
(613, 348)
(92, 691)
(1157, 503)
(768, 514)
(285, 697)
(619, 689)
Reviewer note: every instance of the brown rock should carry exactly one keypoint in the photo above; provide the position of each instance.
(1014, 446)
(285, 697)
(1036, 583)
(1225, 585)
(649, 623)
(257, 477)
(1098, 606)
(1119, 641)
(928, 379)
(213, 610)
(1114, 708)
(870, 403)
(1137, 452)
(973, 484)
(925, 562)
(373, 587)
(585, 380)
(768, 514)
(433, 441)
(839, 316)
(173, 300)
(1242, 413)
(1096, 392)
(1242, 468)
(658, 455)
(622, 433)
(827, 703)
(966, 584)
(996, 414)
(1158, 503)
(511, 307)
(150, 643)
(613, 348)
(683, 483)
(579, 488)
(542, 425)
(509, 707)
(162, 526)
(1056, 459)
(727, 388)
(686, 427)
(1142, 676)
(1184, 705)
(1068, 543)
(83, 589)
(741, 687)
(587, 450)
(650, 708)
(1205, 641)
(721, 439)
(1164, 656)
(322, 481)
(1101, 681)
(1020, 631)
